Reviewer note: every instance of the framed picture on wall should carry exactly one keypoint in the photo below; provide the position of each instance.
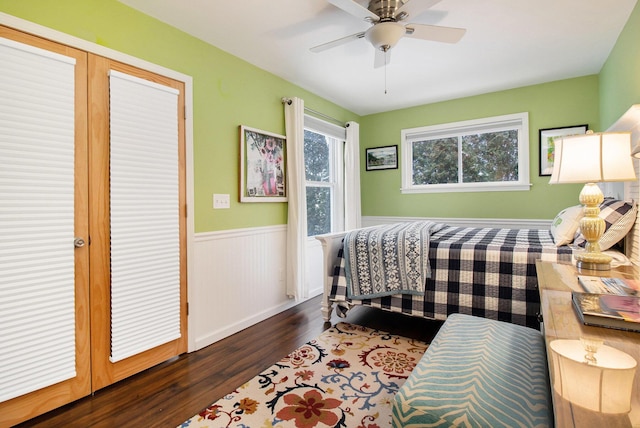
(547, 147)
(262, 166)
(382, 158)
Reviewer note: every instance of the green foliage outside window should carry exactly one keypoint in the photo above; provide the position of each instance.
(490, 157)
(485, 157)
(318, 210)
(435, 161)
(317, 165)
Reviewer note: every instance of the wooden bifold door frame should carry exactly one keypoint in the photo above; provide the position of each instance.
(94, 370)
(103, 371)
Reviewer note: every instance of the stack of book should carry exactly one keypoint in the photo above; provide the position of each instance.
(608, 302)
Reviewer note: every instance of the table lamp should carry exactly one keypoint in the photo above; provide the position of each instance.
(591, 158)
(594, 376)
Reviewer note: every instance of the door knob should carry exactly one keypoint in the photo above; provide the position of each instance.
(78, 242)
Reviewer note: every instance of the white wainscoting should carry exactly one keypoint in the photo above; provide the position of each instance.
(239, 280)
(464, 222)
(239, 275)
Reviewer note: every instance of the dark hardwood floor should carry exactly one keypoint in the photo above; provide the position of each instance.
(172, 392)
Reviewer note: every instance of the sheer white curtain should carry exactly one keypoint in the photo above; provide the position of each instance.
(352, 209)
(297, 196)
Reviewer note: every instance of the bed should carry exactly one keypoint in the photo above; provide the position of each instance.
(487, 272)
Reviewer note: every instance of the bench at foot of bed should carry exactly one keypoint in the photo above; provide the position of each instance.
(478, 373)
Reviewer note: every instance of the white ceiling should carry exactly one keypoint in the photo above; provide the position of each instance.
(508, 44)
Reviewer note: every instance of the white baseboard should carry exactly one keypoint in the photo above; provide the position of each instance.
(227, 330)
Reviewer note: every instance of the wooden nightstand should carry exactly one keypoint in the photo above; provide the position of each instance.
(555, 283)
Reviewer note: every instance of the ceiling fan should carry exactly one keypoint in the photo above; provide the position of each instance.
(387, 29)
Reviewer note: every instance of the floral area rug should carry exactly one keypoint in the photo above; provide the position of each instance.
(347, 377)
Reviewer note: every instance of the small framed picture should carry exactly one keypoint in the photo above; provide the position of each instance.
(382, 158)
(262, 166)
(547, 147)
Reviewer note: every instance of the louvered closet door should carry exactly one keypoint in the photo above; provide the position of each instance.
(44, 300)
(138, 264)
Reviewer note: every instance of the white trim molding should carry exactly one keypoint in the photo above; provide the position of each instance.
(464, 222)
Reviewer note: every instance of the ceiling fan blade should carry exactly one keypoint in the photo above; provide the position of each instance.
(435, 33)
(381, 58)
(414, 8)
(337, 42)
(355, 9)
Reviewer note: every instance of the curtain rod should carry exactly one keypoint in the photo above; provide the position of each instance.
(317, 113)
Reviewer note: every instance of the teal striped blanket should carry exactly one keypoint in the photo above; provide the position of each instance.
(388, 259)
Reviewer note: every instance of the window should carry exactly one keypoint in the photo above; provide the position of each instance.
(323, 154)
(489, 154)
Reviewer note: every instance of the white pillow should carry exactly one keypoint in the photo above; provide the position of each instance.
(565, 225)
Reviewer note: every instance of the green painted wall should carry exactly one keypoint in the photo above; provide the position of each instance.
(620, 76)
(228, 92)
(562, 103)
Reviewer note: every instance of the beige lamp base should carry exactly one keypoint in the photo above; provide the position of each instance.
(592, 266)
(593, 261)
(592, 227)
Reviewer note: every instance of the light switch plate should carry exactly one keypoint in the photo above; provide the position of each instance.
(221, 201)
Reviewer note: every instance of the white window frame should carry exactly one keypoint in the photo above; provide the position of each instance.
(518, 121)
(336, 182)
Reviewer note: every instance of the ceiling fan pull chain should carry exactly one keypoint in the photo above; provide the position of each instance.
(385, 72)
(385, 79)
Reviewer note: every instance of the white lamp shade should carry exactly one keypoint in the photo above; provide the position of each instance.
(604, 387)
(592, 158)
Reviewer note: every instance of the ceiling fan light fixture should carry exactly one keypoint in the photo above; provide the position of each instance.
(385, 35)
(386, 30)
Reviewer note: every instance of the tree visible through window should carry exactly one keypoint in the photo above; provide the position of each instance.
(435, 161)
(324, 175)
(317, 168)
(486, 154)
(486, 157)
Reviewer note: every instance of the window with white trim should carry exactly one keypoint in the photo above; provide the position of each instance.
(323, 158)
(490, 154)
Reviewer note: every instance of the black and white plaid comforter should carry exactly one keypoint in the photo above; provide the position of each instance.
(486, 272)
